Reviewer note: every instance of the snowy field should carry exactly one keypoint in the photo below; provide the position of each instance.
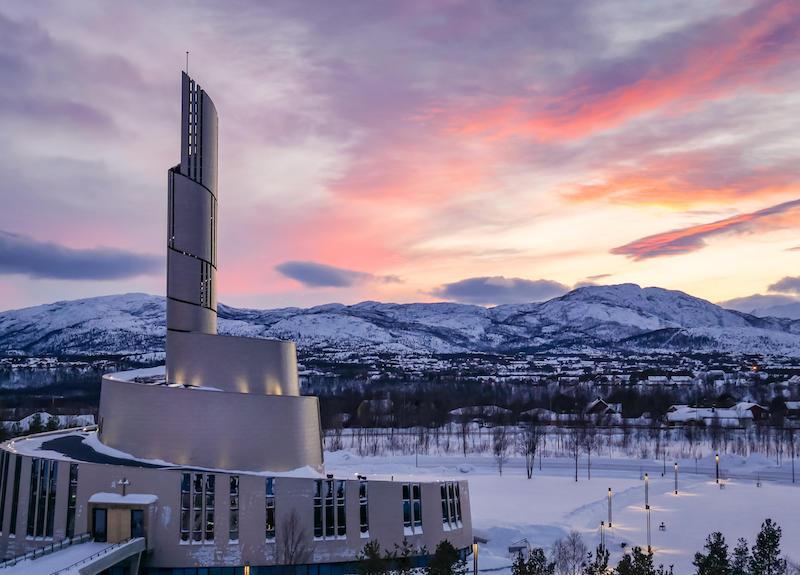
(545, 508)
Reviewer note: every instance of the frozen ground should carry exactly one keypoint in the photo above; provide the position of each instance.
(507, 508)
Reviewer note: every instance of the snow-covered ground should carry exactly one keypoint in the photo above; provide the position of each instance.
(545, 508)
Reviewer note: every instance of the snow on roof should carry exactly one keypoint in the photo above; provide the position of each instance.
(481, 410)
(128, 499)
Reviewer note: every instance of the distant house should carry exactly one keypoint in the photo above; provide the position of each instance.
(539, 414)
(480, 413)
(657, 380)
(602, 407)
(740, 415)
(520, 547)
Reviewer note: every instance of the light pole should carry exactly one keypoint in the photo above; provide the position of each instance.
(475, 558)
(602, 534)
(717, 460)
(646, 491)
(649, 547)
(609, 507)
(676, 478)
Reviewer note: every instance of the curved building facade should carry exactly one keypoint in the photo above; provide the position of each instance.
(215, 460)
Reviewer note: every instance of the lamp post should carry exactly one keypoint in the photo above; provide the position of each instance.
(124, 483)
(609, 507)
(646, 491)
(676, 478)
(602, 534)
(716, 457)
(649, 547)
(475, 558)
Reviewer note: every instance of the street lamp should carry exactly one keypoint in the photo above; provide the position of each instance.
(609, 507)
(475, 558)
(602, 534)
(649, 547)
(676, 478)
(646, 491)
(717, 460)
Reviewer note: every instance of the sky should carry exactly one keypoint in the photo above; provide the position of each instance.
(486, 152)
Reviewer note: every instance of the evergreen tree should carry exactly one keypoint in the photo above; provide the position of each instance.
(370, 560)
(535, 564)
(445, 560)
(403, 558)
(638, 562)
(597, 565)
(740, 564)
(52, 423)
(36, 425)
(765, 558)
(715, 561)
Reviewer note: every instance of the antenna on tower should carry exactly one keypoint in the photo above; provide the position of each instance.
(187, 62)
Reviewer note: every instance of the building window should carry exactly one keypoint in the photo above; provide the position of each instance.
(329, 509)
(186, 505)
(363, 508)
(197, 507)
(451, 505)
(270, 509)
(209, 510)
(4, 458)
(12, 528)
(233, 531)
(42, 498)
(412, 508)
(72, 498)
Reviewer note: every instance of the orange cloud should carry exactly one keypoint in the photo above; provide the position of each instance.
(733, 53)
(693, 238)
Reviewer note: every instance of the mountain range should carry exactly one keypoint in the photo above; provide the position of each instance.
(622, 317)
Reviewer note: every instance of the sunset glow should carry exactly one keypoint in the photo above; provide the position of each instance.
(389, 151)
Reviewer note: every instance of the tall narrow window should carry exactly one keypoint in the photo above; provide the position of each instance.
(186, 505)
(197, 507)
(416, 496)
(12, 528)
(451, 505)
(445, 506)
(407, 522)
(52, 483)
(458, 505)
(329, 509)
(33, 497)
(72, 498)
(4, 458)
(341, 521)
(270, 509)
(451, 491)
(330, 517)
(209, 510)
(318, 509)
(363, 508)
(412, 508)
(233, 531)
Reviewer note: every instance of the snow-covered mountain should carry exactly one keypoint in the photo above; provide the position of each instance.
(594, 317)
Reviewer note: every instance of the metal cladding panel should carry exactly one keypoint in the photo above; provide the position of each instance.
(183, 277)
(237, 364)
(210, 144)
(189, 317)
(191, 211)
(212, 429)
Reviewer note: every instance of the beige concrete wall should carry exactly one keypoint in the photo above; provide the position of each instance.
(292, 494)
(236, 364)
(211, 428)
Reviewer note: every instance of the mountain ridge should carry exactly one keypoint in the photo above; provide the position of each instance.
(624, 316)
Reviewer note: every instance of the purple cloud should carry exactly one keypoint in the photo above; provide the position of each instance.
(316, 275)
(23, 255)
(500, 290)
(786, 285)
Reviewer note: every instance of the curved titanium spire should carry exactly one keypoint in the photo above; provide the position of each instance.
(192, 218)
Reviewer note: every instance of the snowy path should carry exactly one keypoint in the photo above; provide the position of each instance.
(507, 508)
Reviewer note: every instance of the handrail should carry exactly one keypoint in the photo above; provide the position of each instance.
(100, 553)
(46, 550)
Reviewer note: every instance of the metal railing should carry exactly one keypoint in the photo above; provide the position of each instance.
(46, 550)
(96, 555)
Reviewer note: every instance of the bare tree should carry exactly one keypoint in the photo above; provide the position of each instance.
(500, 445)
(293, 546)
(589, 441)
(529, 440)
(464, 432)
(569, 554)
(574, 440)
